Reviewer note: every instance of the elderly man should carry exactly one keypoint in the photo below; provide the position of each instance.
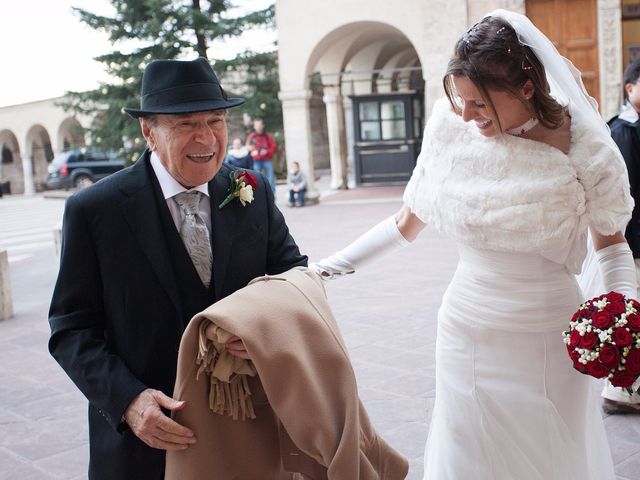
(146, 249)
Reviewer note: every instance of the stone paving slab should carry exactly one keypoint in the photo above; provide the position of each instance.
(386, 312)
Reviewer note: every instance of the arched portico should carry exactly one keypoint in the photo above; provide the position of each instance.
(70, 135)
(377, 50)
(365, 59)
(37, 131)
(11, 161)
(40, 152)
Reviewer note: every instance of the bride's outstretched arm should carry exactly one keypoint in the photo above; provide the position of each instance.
(387, 236)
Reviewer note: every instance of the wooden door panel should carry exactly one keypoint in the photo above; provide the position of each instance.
(572, 26)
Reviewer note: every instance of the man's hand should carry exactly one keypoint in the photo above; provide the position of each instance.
(152, 426)
(237, 348)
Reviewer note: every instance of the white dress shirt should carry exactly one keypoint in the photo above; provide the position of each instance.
(170, 188)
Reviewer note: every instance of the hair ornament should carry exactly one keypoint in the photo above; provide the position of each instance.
(469, 32)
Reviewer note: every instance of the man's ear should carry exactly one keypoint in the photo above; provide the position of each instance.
(147, 133)
(628, 87)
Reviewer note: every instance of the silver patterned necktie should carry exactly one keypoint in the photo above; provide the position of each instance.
(195, 235)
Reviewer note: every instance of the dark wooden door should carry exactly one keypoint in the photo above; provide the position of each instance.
(388, 133)
(572, 25)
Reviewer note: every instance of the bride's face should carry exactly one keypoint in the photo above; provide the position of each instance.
(510, 111)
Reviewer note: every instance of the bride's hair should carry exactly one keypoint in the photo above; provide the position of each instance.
(490, 55)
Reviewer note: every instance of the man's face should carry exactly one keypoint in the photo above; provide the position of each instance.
(633, 92)
(191, 147)
(258, 126)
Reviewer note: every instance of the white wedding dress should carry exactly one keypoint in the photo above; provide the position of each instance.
(509, 405)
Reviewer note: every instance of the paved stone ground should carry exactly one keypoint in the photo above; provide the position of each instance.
(387, 313)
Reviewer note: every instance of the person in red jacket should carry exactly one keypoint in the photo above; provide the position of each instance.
(262, 147)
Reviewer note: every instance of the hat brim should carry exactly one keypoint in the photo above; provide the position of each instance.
(184, 108)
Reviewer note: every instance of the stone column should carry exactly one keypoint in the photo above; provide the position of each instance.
(337, 139)
(610, 56)
(297, 136)
(27, 174)
(347, 108)
(6, 304)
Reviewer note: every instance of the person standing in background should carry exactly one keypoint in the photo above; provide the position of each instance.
(262, 147)
(625, 130)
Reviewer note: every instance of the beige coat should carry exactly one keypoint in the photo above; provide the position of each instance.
(308, 417)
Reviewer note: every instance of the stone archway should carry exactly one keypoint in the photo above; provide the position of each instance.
(40, 152)
(70, 135)
(359, 58)
(11, 161)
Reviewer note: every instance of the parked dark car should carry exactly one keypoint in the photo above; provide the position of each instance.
(79, 169)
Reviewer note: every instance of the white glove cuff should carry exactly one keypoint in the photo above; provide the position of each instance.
(618, 269)
(383, 238)
(380, 240)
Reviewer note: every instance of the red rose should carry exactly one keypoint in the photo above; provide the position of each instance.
(586, 313)
(615, 297)
(597, 369)
(248, 179)
(635, 304)
(602, 320)
(633, 360)
(616, 308)
(589, 340)
(622, 337)
(575, 339)
(609, 355)
(579, 366)
(633, 322)
(623, 379)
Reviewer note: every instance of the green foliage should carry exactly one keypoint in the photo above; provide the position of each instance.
(254, 76)
(145, 30)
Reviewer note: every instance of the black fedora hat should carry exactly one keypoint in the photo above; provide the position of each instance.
(173, 87)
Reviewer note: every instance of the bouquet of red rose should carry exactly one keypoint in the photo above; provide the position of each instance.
(603, 339)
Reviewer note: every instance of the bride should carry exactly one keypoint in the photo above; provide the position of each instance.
(516, 166)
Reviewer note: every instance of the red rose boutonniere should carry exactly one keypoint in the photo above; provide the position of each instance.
(243, 184)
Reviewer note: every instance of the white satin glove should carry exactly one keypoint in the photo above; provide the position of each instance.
(375, 243)
(618, 269)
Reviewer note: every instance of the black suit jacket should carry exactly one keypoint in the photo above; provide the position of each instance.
(627, 137)
(115, 316)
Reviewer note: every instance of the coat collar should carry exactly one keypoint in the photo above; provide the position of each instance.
(141, 212)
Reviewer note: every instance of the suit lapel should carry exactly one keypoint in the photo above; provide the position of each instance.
(141, 212)
(222, 225)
